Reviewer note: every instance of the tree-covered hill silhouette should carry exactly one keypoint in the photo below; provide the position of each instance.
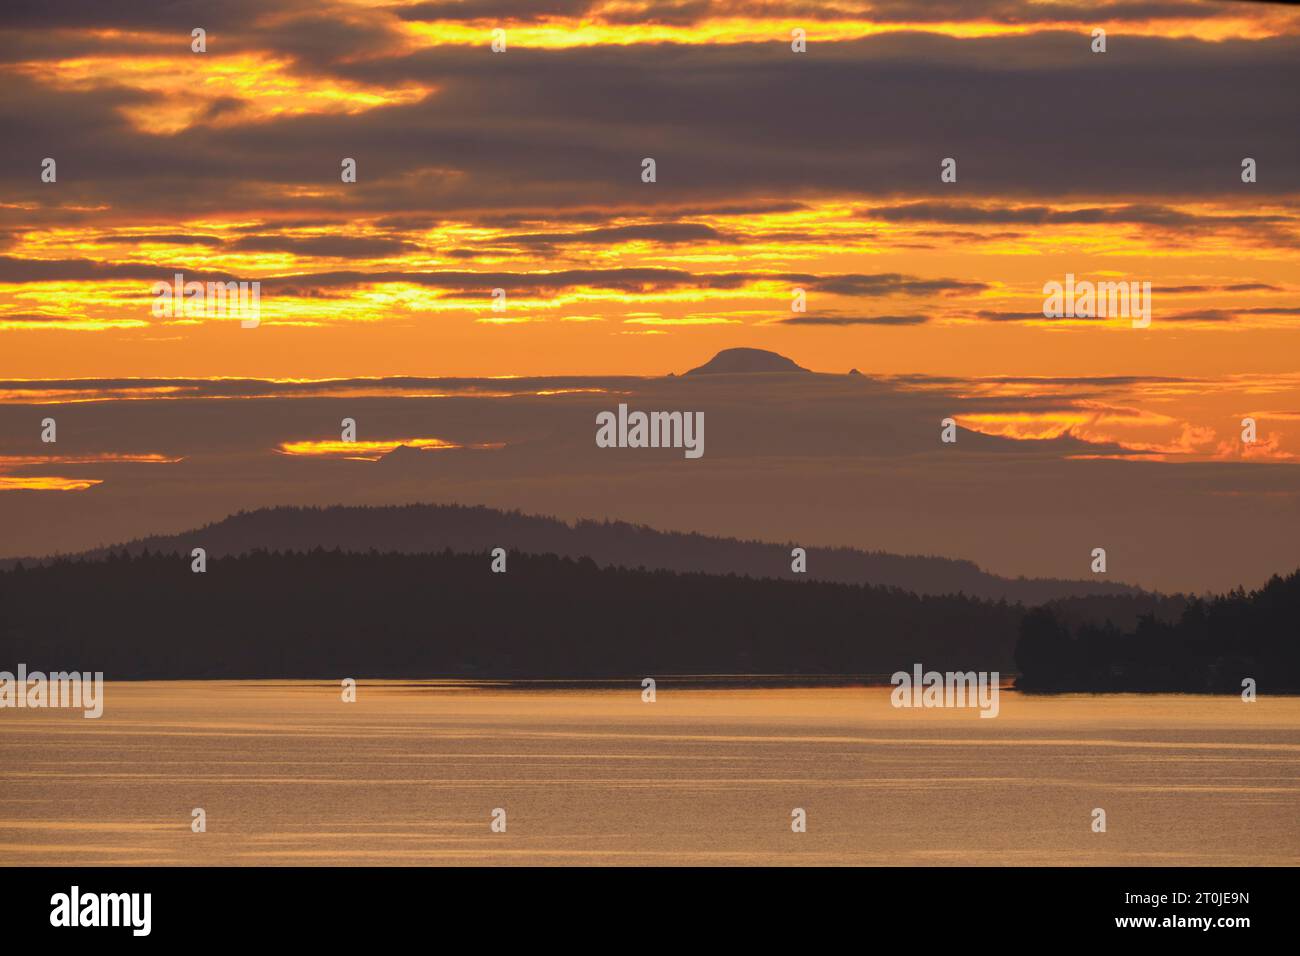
(1213, 646)
(337, 614)
(331, 614)
(428, 528)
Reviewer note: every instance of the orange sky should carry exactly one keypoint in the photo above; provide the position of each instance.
(903, 274)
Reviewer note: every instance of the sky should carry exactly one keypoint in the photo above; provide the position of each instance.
(523, 171)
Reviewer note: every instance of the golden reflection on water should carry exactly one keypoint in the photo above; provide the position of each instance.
(410, 774)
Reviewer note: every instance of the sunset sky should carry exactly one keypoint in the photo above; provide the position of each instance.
(775, 170)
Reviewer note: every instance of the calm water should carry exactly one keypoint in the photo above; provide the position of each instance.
(410, 774)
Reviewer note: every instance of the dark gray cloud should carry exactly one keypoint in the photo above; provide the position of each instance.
(1199, 315)
(186, 388)
(17, 270)
(341, 247)
(1185, 315)
(260, 227)
(688, 12)
(994, 315)
(155, 16)
(1223, 315)
(856, 320)
(1232, 287)
(1139, 214)
(453, 10)
(319, 38)
(881, 284)
(1110, 381)
(176, 239)
(664, 233)
(557, 130)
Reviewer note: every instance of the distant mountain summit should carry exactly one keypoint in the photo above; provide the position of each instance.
(401, 453)
(733, 361)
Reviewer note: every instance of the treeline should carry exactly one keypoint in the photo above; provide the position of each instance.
(1212, 647)
(333, 614)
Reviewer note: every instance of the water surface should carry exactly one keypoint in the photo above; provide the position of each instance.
(410, 774)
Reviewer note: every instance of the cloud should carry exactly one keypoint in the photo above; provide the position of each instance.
(499, 10)
(335, 247)
(893, 283)
(1224, 315)
(174, 239)
(1186, 315)
(856, 320)
(18, 270)
(1233, 287)
(1139, 214)
(728, 125)
(661, 232)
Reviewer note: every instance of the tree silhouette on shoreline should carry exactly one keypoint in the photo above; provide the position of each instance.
(1214, 646)
(330, 614)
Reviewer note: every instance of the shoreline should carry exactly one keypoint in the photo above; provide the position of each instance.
(675, 682)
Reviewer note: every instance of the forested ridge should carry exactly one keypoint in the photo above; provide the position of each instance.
(334, 613)
(1213, 646)
(331, 614)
